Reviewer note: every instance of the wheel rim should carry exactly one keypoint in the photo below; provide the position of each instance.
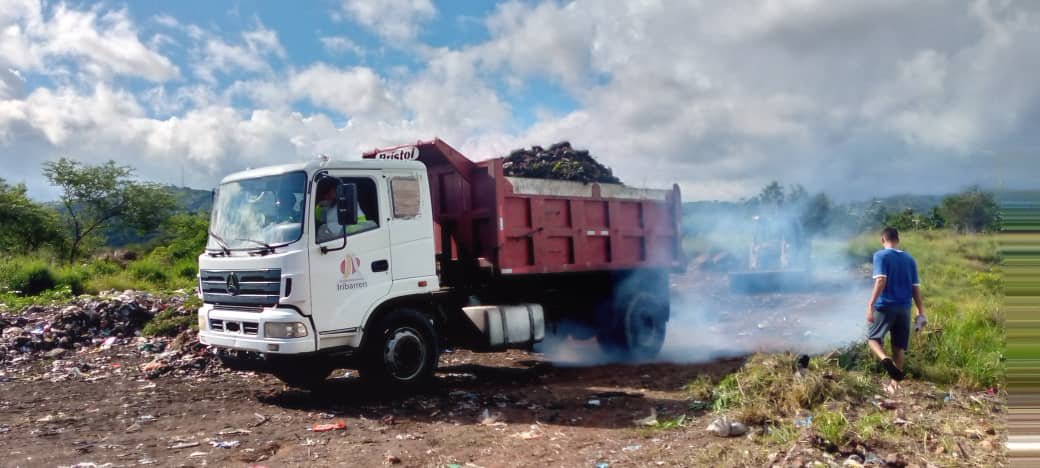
(404, 354)
(643, 327)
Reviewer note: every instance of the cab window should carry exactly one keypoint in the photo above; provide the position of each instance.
(326, 218)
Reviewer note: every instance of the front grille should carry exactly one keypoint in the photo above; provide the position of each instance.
(234, 327)
(256, 288)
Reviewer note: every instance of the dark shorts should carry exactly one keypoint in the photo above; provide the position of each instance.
(895, 320)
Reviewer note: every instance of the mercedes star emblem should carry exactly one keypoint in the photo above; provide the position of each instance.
(233, 286)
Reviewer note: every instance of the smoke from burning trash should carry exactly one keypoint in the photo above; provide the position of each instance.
(709, 322)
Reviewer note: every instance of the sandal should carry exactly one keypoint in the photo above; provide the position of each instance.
(892, 370)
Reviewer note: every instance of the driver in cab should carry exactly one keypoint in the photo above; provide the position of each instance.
(327, 218)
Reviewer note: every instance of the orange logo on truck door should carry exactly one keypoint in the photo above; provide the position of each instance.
(352, 278)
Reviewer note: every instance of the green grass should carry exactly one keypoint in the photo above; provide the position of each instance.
(832, 426)
(28, 280)
(766, 390)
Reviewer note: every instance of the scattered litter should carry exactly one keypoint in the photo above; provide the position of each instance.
(230, 432)
(326, 415)
(724, 427)
(803, 422)
(649, 420)
(631, 448)
(488, 419)
(183, 445)
(339, 425)
(698, 405)
(534, 432)
(260, 419)
(225, 444)
(108, 342)
(593, 403)
(387, 420)
(602, 465)
(197, 454)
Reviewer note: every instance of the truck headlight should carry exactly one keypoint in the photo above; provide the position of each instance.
(284, 330)
(202, 321)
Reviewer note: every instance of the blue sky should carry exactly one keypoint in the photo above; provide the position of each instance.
(853, 98)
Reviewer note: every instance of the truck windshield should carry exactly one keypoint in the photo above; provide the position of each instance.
(258, 213)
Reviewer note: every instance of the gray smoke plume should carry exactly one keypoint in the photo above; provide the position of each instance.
(709, 322)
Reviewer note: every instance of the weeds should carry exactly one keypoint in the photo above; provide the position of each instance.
(767, 389)
(832, 426)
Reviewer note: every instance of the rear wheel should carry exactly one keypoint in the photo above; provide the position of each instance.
(636, 330)
(401, 350)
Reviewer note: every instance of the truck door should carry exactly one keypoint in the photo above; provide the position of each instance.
(411, 228)
(346, 283)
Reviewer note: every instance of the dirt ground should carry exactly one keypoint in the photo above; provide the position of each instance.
(487, 410)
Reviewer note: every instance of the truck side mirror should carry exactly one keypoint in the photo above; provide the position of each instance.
(346, 204)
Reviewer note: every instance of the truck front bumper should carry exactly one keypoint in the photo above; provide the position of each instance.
(244, 331)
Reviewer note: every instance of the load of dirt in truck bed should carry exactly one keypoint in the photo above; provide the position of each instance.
(559, 162)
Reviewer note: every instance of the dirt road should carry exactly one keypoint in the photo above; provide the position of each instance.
(95, 406)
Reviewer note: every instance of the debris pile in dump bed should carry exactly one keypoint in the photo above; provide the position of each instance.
(558, 162)
(79, 333)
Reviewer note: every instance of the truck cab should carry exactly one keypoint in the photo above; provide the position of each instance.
(282, 275)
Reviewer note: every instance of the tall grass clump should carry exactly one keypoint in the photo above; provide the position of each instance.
(767, 388)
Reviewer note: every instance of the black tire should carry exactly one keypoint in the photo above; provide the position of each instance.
(303, 373)
(400, 351)
(634, 330)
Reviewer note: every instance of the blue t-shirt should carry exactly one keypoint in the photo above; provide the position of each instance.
(901, 270)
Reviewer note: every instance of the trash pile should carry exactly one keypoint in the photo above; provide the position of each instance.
(88, 326)
(558, 162)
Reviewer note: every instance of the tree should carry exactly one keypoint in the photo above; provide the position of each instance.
(816, 217)
(96, 197)
(772, 194)
(24, 224)
(971, 211)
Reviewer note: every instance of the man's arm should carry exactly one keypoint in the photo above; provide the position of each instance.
(918, 301)
(879, 285)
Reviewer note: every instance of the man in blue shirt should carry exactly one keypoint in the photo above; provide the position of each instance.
(896, 288)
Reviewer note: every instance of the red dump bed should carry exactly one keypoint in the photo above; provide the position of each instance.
(524, 226)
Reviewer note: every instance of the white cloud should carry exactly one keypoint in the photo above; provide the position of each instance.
(721, 97)
(103, 43)
(393, 20)
(252, 54)
(341, 44)
(353, 92)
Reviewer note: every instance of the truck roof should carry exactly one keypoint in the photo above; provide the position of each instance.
(314, 165)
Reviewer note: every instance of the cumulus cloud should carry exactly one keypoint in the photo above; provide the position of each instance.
(340, 45)
(103, 43)
(357, 91)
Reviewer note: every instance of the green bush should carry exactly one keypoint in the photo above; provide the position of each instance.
(169, 323)
(186, 268)
(149, 270)
(29, 277)
(73, 277)
(104, 267)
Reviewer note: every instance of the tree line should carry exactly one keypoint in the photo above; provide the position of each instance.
(93, 200)
(971, 211)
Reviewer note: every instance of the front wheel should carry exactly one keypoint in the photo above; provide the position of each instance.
(401, 350)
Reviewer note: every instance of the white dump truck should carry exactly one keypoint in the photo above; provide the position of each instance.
(379, 264)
